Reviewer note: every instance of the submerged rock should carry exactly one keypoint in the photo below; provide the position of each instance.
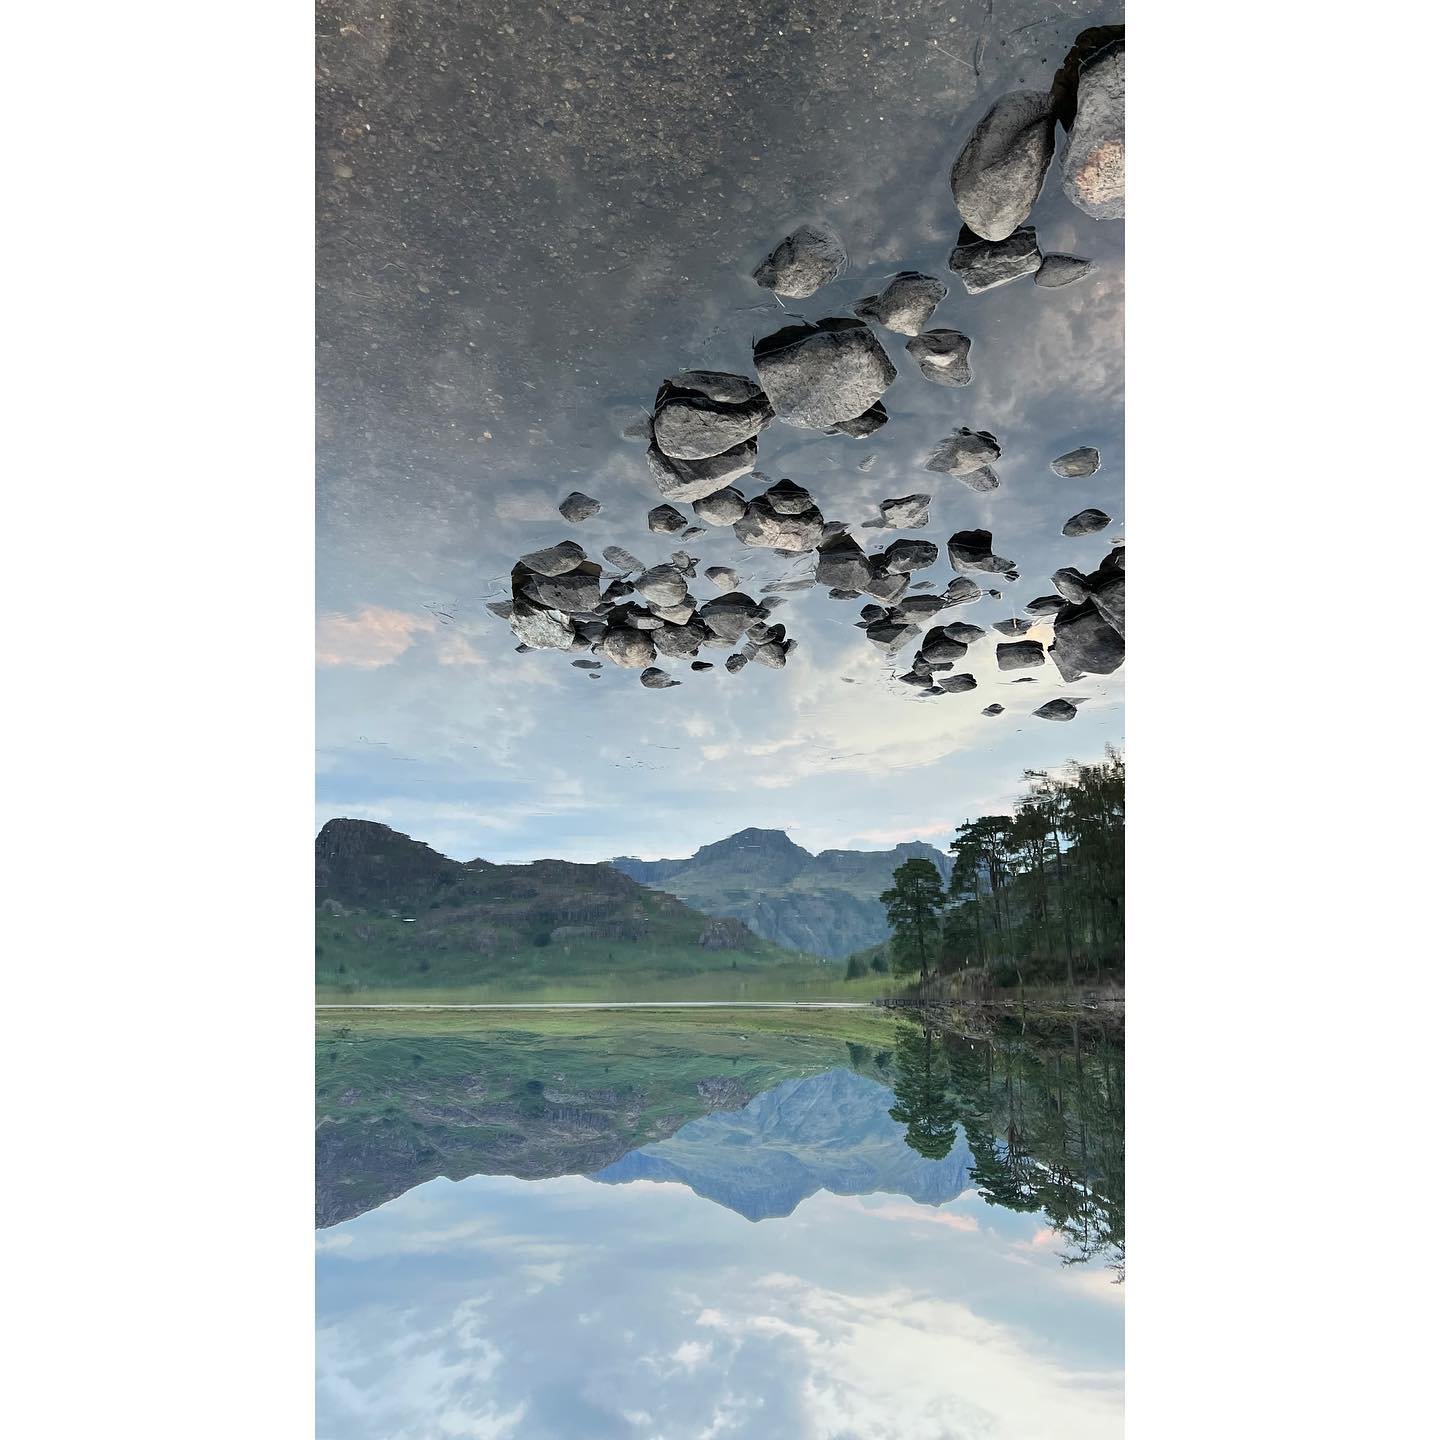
(997, 177)
(728, 616)
(906, 304)
(904, 556)
(993, 710)
(661, 585)
(577, 506)
(956, 684)
(1087, 522)
(1047, 604)
(1072, 585)
(587, 664)
(700, 666)
(1020, 655)
(842, 565)
(630, 649)
(1058, 270)
(722, 577)
(962, 631)
(621, 558)
(539, 628)
(963, 452)
(983, 264)
(1013, 627)
(665, 520)
(734, 663)
(1086, 643)
(963, 591)
(1092, 167)
(862, 425)
(1056, 710)
(971, 550)
(907, 512)
(1076, 464)
(680, 640)
(575, 592)
(695, 479)
(555, 559)
(653, 679)
(942, 355)
(724, 507)
(818, 376)
(802, 262)
(788, 498)
(701, 413)
(762, 525)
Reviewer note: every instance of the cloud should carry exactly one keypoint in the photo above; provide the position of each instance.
(368, 639)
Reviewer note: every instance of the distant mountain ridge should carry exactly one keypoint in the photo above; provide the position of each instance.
(828, 904)
(392, 911)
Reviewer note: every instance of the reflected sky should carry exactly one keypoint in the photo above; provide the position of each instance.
(498, 1307)
(528, 217)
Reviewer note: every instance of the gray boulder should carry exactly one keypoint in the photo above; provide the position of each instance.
(661, 585)
(963, 632)
(842, 565)
(1076, 464)
(576, 507)
(993, 710)
(621, 559)
(962, 591)
(573, 593)
(1087, 522)
(942, 355)
(587, 664)
(1047, 604)
(630, 649)
(886, 586)
(802, 262)
(1020, 655)
(539, 628)
(1086, 643)
(722, 577)
(724, 507)
(906, 304)
(665, 520)
(956, 684)
(735, 663)
(889, 634)
(818, 376)
(695, 479)
(788, 498)
(700, 413)
(555, 560)
(997, 177)
(653, 679)
(679, 640)
(772, 653)
(728, 616)
(1013, 628)
(905, 556)
(1107, 592)
(866, 423)
(963, 452)
(1072, 585)
(1056, 710)
(971, 550)
(907, 512)
(1092, 167)
(763, 526)
(1058, 270)
(983, 264)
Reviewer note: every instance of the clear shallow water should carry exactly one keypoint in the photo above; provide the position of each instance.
(700, 1225)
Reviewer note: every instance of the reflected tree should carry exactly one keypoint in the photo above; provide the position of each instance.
(922, 1092)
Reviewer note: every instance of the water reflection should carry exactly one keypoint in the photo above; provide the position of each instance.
(751, 1225)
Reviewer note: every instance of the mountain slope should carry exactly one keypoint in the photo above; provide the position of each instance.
(830, 1132)
(392, 911)
(828, 904)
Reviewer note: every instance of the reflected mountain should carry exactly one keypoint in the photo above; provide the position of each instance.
(831, 1132)
(755, 1111)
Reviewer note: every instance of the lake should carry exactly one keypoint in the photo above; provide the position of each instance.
(704, 1223)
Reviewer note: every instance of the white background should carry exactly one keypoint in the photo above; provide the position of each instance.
(1282, 942)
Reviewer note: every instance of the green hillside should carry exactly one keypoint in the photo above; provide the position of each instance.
(393, 913)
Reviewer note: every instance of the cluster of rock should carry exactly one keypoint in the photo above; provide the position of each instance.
(830, 376)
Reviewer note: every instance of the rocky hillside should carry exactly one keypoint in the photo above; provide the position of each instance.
(827, 904)
(392, 911)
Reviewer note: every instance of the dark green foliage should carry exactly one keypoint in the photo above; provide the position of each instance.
(922, 1100)
(855, 969)
(914, 905)
(880, 963)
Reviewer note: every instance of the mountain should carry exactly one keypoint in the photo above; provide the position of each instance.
(828, 1132)
(392, 911)
(828, 904)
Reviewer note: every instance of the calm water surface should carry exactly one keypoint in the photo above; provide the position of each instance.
(717, 1223)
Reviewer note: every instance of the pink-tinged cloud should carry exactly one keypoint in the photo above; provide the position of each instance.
(907, 832)
(915, 1214)
(368, 639)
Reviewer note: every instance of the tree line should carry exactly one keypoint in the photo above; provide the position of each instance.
(1036, 894)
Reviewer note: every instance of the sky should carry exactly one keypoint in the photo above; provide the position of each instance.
(525, 224)
(447, 1312)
